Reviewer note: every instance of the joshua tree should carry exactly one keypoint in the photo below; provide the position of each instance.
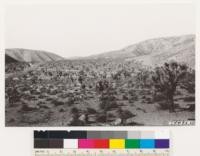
(75, 121)
(107, 101)
(166, 79)
(13, 96)
(143, 77)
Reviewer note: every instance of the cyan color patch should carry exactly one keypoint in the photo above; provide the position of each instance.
(147, 143)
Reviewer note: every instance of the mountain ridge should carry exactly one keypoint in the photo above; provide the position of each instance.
(34, 56)
(156, 51)
(150, 52)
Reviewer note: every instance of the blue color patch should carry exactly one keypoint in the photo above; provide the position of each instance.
(147, 143)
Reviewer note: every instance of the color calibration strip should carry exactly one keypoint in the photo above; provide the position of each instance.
(97, 152)
(101, 140)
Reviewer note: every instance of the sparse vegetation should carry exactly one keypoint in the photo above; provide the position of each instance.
(111, 92)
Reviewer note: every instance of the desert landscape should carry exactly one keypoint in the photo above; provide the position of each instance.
(149, 83)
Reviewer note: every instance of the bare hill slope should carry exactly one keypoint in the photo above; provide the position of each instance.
(157, 51)
(34, 56)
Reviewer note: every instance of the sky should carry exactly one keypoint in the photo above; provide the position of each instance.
(86, 29)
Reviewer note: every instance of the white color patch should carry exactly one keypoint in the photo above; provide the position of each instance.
(70, 143)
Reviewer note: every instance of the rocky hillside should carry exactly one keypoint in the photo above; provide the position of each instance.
(157, 51)
(33, 56)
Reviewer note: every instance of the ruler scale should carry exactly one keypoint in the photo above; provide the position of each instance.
(101, 143)
(96, 152)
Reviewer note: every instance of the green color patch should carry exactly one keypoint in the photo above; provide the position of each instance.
(132, 143)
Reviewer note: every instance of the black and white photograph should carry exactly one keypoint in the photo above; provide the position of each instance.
(100, 65)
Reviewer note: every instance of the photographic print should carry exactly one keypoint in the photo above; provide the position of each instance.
(100, 64)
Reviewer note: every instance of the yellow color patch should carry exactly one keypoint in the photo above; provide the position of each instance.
(117, 143)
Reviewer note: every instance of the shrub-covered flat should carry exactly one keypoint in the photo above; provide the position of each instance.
(91, 92)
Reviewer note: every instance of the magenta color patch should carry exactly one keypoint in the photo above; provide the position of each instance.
(86, 143)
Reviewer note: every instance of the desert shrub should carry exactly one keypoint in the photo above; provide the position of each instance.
(13, 67)
(188, 82)
(149, 100)
(13, 96)
(107, 104)
(125, 97)
(63, 95)
(145, 92)
(178, 92)
(131, 83)
(124, 115)
(165, 106)
(83, 86)
(189, 86)
(121, 104)
(36, 117)
(71, 101)
(44, 106)
(191, 107)
(32, 97)
(143, 78)
(91, 111)
(61, 110)
(26, 107)
(133, 98)
(159, 97)
(189, 99)
(122, 90)
(143, 97)
(107, 101)
(111, 115)
(12, 120)
(37, 93)
(54, 92)
(25, 88)
(131, 101)
(42, 96)
(102, 85)
(90, 86)
(74, 110)
(133, 95)
(101, 118)
(131, 91)
(113, 105)
(56, 102)
(43, 89)
(49, 99)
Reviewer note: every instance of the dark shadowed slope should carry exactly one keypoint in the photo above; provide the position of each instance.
(157, 51)
(34, 56)
(9, 59)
